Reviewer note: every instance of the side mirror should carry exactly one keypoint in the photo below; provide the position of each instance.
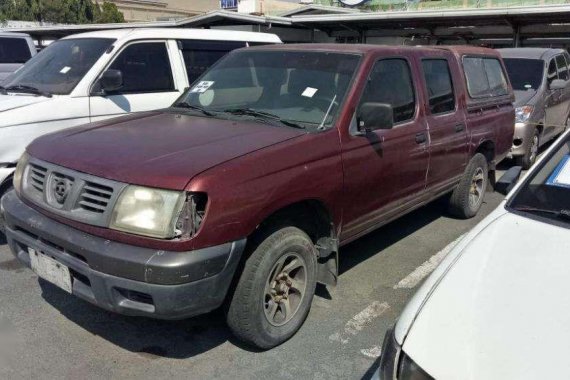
(508, 180)
(373, 116)
(557, 84)
(111, 80)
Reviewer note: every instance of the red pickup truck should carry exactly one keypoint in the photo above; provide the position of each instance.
(243, 191)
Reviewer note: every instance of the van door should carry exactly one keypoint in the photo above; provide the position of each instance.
(553, 98)
(385, 169)
(561, 100)
(148, 82)
(449, 146)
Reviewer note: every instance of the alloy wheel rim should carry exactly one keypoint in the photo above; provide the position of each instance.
(477, 188)
(285, 289)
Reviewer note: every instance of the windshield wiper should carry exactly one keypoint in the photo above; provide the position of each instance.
(28, 90)
(562, 214)
(262, 115)
(193, 107)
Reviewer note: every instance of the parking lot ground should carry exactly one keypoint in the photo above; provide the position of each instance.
(45, 333)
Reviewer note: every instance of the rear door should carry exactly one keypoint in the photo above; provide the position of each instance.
(148, 81)
(386, 169)
(446, 120)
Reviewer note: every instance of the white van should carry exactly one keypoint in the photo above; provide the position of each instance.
(15, 50)
(94, 76)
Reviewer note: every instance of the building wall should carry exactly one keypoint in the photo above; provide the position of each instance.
(151, 10)
(268, 7)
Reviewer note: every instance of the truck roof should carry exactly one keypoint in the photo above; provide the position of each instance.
(180, 33)
(530, 53)
(13, 34)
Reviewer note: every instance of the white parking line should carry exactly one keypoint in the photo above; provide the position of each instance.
(359, 321)
(372, 352)
(414, 278)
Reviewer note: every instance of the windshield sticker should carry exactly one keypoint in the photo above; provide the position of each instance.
(309, 92)
(65, 70)
(561, 175)
(202, 87)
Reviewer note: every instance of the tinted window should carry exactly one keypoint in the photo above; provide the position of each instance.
(14, 50)
(485, 77)
(390, 82)
(562, 67)
(552, 71)
(59, 67)
(145, 68)
(439, 85)
(201, 55)
(525, 74)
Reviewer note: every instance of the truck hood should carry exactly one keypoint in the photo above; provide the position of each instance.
(10, 102)
(501, 311)
(523, 97)
(157, 149)
(17, 109)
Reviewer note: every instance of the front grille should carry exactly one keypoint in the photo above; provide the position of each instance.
(38, 177)
(95, 197)
(71, 194)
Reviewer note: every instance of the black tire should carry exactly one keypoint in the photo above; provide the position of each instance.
(531, 153)
(246, 315)
(461, 202)
(2, 225)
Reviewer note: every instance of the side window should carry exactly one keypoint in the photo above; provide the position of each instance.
(562, 67)
(552, 71)
(199, 56)
(145, 67)
(485, 77)
(14, 50)
(390, 82)
(439, 85)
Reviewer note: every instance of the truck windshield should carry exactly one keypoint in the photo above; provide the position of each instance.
(59, 68)
(296, 88)
(525, 74)
(546, 192)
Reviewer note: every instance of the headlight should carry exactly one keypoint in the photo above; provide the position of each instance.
(19, 173)
(395, 364)
(150, 212)
(522, 114)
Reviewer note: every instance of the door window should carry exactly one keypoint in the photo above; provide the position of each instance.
(562, 67)
(14, 50)
(439, 85)
(485, 77)
(390, 82)
(552, 72)
(145, 67)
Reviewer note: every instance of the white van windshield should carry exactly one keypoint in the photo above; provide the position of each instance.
(58, 68)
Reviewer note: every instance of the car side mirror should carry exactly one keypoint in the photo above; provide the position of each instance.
(557, 84)
(508, 180)
(373, 116)
(111, 81)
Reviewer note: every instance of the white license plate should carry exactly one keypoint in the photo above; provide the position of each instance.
(50, 270)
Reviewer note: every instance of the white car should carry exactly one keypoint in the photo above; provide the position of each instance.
(498, 306)
(94, 76)
(15, 50)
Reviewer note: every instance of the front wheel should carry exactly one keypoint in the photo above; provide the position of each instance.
(531, 153)
(2, 222)
(467, 198)
(274, 293)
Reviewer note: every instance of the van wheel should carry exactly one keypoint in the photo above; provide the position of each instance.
(531, 153)
(467, 198)
(274, 293)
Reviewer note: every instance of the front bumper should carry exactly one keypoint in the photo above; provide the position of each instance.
(123, 278)
(521, 138)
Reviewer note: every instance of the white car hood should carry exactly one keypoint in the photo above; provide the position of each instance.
(13, 101)
(502, 310)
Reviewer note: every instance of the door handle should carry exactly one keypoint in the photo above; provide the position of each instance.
(421, 138)
(459, 128)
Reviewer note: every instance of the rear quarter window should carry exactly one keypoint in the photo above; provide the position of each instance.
(485, 77)
(14, 50)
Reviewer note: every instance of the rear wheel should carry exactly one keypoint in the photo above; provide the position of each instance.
(467, 198)
(274, 293)
(531, 153)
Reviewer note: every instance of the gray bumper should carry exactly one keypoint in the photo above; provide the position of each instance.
(522, 138)
(124, 278)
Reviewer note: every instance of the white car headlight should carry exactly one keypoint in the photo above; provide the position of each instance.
(146, 211)
(19, 173)
(522, 114)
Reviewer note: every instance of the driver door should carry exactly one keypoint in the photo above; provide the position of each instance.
(148, 82)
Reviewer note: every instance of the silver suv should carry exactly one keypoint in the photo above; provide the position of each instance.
(542, 98)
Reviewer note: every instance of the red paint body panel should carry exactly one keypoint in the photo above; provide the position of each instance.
(250, 170)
